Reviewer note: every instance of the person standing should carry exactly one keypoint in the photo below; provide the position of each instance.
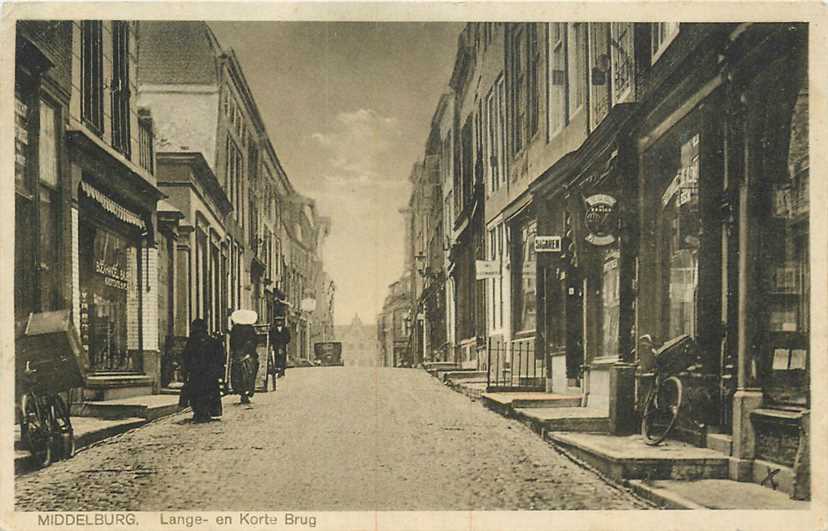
(280, 338)
(203, 360)
(245, 359)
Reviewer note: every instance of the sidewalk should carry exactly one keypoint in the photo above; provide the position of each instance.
(99, 420)
(672, 475)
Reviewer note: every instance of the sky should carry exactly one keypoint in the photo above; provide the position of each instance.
(348, 107)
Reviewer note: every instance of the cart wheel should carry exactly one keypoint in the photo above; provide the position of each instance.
(63, 428)
(35, 432)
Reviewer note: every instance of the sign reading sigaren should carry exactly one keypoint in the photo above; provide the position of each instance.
(547, 244)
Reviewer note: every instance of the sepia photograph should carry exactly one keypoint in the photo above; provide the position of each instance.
(269, 271)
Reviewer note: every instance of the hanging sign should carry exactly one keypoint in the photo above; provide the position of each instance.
(547, 244)
(601, 219)
(487, 269)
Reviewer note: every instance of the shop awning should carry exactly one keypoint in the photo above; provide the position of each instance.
(109, 204)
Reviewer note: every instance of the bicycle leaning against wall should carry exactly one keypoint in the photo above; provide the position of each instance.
(665, 400)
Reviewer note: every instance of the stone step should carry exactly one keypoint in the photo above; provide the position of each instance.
(628, 457)
(504, 403)
(720, 442)
(714, 494)
(578, 419)
(455, 375)
(147, 407)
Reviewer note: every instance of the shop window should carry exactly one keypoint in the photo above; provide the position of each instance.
(577, 63)
(662, 35)
(92, 110)
(679, 229)
(788, 272)
(120, 87)
(556, 112)
(525, 272)
(107, 275)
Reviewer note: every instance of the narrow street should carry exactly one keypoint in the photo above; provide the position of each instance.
(327, 439)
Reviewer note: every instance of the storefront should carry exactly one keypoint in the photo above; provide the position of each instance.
(112, 283)
(680, 260)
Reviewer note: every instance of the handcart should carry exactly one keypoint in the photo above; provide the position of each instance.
(49, 362)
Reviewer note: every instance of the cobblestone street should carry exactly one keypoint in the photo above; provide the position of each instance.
(327, 439)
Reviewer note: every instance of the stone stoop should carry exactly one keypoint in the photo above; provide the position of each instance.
(147, 407)
(578, 419)
(622, 458)
(473, 390)
(506, 403)
(462, 375)
(713, 494)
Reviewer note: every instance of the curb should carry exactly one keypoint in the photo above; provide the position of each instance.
(22, 461)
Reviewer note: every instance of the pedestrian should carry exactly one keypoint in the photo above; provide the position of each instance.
(245, 359)
(280, 338)
(203, 360)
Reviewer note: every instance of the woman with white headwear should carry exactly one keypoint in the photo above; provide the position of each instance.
(245, 359)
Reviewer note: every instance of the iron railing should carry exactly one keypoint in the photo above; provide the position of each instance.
(514, 367)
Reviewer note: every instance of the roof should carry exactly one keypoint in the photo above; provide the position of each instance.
(177, 52)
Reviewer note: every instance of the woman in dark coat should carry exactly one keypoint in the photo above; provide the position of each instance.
(245, 363)
(203, 359)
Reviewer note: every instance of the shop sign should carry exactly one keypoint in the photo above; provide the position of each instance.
(487, 269)
(547, 244)
(110, 260)
(600, 219)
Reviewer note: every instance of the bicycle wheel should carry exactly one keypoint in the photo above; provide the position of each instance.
(661, 410)
(34, 430)
(64, 433)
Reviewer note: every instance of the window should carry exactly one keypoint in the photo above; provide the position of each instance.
(787, 275)
(501, 129)
(622, 60)
(557, 78)
(146, 144)
(92, 73)
(577, 61)
(108, 271)
(610, 305)
(466, 175)
(49, 230)
(534, 79)
(525, 311)
(47, 145)
(253, 177)
(233, 177)
(120, 87)
(519, 66)
(599, 53)
(491, 140)
(679, 228)
(663, 34)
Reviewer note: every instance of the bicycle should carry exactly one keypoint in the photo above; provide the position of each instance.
(45, 425)
(665, 399)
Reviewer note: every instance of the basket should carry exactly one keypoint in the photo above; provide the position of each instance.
(677, 355)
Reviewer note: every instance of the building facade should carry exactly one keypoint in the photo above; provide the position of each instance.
(613, 181)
